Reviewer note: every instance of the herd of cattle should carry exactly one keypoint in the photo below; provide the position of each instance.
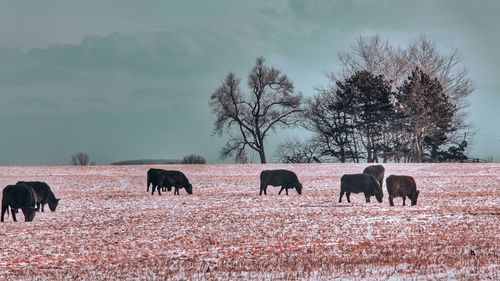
(25, 195)
(33, 195)
(370, 183)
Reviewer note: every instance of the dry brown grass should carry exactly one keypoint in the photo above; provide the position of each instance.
(108, 227)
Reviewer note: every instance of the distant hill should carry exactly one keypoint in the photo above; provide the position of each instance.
(148, 161)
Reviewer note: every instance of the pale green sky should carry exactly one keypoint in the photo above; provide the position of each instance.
(131, 79)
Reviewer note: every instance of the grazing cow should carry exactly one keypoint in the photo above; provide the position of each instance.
(155, 179)
(357, 183)
(402, 186)
(44, 194)
(377, 171)
(166, 178)
(19, 196)
(284, 178)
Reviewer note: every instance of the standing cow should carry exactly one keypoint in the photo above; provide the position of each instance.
(19, 196)
(377, 171)
(178, 180)
(156, 179)
(44, 194)
(284, 178)
(168, 178)
(358, 183)
(402, 186)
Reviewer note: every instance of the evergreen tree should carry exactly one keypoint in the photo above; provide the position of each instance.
(368, 100)
(352, 115)
(429, 114)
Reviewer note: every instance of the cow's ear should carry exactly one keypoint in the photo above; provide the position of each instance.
(58, 199)
(418, 191)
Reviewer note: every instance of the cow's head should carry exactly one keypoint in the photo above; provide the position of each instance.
(53, 204)
(189, 188)
(414, 199)
(29, 213)
(299, 188)
(379, 194)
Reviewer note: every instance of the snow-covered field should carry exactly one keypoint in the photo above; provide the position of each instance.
(108, 227)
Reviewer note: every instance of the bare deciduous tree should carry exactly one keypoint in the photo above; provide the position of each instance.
(457, 86)
(80, 159)
(248, 118)
(331, 122)
(193, 159)
(296, 151)
(380, 57)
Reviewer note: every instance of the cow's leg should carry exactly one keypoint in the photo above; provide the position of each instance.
(286, 190)
(176, 191)
(342, 191)
(4, 209)
(261, 190)
(281, 190)
(391, 203)
(348, 195)
(43, 204)
(404, 200)
(158, 188)
(367, 197)
(13, 211)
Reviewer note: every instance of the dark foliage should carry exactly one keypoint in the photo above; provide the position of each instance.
(193, 159)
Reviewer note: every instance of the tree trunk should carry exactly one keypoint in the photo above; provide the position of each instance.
(356, 155)
(369, 149)
(262, 157)
(262, 153)
(342, 155)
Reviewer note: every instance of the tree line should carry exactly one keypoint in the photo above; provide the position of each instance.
(83, 159)
(387, 103)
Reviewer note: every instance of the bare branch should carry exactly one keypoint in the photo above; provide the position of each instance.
(271, 101)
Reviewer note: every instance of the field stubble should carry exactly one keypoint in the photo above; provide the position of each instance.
(108, 227)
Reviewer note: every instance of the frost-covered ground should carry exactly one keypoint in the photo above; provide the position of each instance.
(108, 227)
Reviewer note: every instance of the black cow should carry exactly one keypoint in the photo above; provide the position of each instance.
(402, 186)
(19, 196)
(284, 178)
(44, 194)
(155, 179)
(168, 178)
(358, 183)
(377, 171)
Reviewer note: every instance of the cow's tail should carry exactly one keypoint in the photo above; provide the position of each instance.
(149, 180)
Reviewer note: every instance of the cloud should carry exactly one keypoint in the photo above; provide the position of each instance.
(149, 93)
(34, 102)
(161, 54)
(94, 101)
